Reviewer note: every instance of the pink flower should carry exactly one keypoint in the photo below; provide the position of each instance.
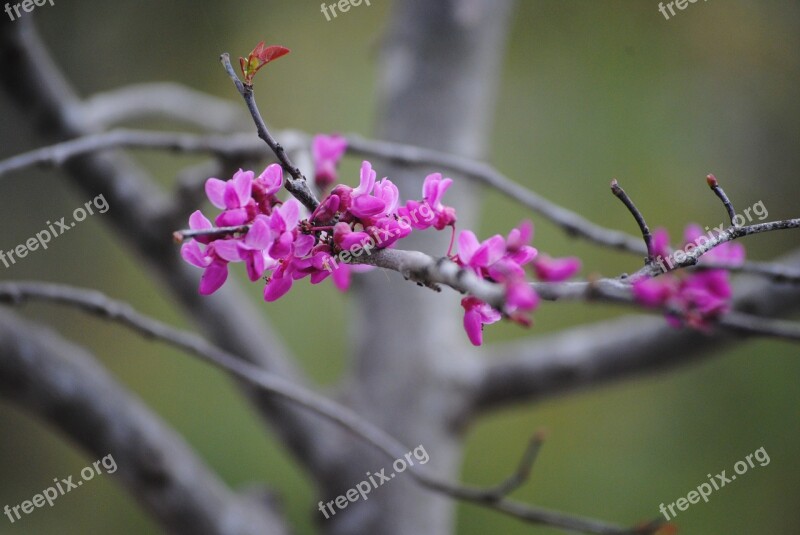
(476, 315)
(215, 268)
(479, 256)
(282, 225)
(660, 243)
(363, 204)
(654, 293)
(433, 190)
(729, 252)
(555, 269)
(265, 187)
(521, 299)
(252, 248)
(234, 196)
(326, 152)
(696, 298)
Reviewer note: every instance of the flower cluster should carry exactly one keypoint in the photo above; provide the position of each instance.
(281, 241)
(693, 299)
(502, 260)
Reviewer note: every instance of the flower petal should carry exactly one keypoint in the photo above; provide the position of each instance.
(215, 191)
(277, 288)
(191, 252)
(214, 277)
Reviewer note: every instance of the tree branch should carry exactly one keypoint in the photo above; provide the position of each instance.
(60, 383)
(142, 215)
(494, 498)
(590, 356)
(164, 99)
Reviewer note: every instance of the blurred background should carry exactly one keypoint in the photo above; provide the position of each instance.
(591, 90)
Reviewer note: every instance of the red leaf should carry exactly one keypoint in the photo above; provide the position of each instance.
(271, 53)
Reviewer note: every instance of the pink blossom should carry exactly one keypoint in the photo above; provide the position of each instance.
(433, 190)
(326, 152)
(234, 197)
(696, 298)
(277, 242)
(476, 315)
(555, 269)
(215, 269)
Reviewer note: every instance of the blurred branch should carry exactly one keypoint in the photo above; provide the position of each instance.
(141, 214)
(49, 377)
(96, 303)
(236, 146)
(160, 100)
(774, 271)
(589, 356)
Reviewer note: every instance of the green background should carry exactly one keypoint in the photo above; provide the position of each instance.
(590, 90)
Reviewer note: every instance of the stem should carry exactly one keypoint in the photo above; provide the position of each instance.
(182, 235)
(298, 185)
(715, 187)
(637, 215)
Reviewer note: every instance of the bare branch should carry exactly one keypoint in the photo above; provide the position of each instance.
(96, 303)
(170, 100)
(60, 383)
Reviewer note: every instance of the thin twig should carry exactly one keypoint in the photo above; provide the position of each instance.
(523, 472)
(297, 185)
(729, 234)
(99, 304)
(637, 215)
(185, 234)
(713, 183)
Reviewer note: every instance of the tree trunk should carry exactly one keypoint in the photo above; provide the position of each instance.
(412, 373)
